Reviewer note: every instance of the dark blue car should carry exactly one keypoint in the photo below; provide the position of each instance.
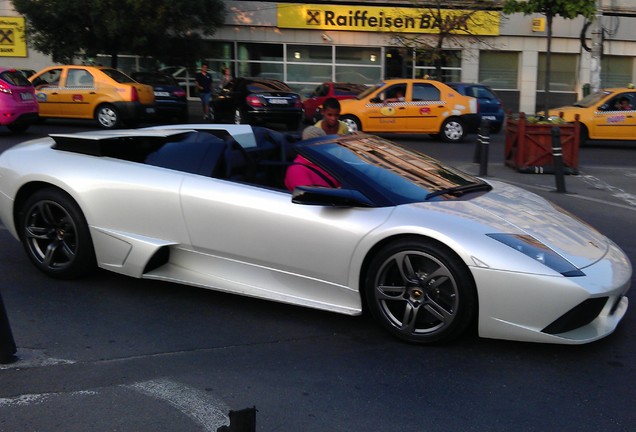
(489, 105)
(170, 98)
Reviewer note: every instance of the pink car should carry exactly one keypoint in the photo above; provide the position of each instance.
(18, 107)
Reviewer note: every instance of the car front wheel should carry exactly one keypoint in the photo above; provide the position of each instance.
(453, 130)
(107, 116)
(420, 292)
(55, 235)
(352, 123)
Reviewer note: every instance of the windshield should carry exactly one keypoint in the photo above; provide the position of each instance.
(592, 99)
(369, 90)
(395, 171)
(118, 76)
(15, 78)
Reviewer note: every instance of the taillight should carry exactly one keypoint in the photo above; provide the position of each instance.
(179, 93)
(5, 89)
(134, 96)
(299, 103)
(253, 101)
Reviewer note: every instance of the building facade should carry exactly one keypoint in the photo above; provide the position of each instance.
(364, 42)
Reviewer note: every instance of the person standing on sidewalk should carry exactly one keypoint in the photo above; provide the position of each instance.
(204, 85)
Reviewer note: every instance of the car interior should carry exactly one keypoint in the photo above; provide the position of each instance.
(213, 153)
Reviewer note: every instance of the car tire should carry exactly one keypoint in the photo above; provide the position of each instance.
(107, 116)
(55, 234)
(18, 127)
(453, 130)
(420, 291)
(352, 122)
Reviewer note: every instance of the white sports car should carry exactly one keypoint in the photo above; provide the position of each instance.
(427, 249)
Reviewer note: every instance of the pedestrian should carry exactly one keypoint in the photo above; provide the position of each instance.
(226, 78)
(331, 122)
(204, 85)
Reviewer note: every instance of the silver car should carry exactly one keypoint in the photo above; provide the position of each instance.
(427, 250)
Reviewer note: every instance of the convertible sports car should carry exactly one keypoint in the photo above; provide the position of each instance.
(427, 249)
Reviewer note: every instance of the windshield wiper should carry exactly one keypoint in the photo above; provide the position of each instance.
(460, 190)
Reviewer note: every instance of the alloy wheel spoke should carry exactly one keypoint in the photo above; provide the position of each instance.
(50, 253)
(409, 318)
(390, 292)
(437, 310)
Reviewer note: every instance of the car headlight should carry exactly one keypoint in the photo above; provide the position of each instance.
(536, 250)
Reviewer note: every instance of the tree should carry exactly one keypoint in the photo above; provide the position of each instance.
(450, 25)
(65, 29)
(568, 9)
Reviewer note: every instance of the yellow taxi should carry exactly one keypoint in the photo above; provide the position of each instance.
(609, 114)
(412, 106)
(92, 92)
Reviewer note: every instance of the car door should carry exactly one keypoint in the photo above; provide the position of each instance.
(426, 113)
(257, 242)
(47, 92)
(612, 121)
(386, 110)
(79, 93)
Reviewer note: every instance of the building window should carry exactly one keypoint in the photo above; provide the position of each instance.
(563, 72)
(616, 71)
(499, 70)
(451, 65)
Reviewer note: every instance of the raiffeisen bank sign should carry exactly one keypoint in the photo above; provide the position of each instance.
(373, 18)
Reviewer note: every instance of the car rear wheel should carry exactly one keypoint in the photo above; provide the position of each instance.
(352, 122)
(55, 234)
(420, 291)
(453, 130)
(107, 116)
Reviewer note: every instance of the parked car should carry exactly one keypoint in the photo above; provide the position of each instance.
(429, 250)
(27, 72)
(412, 106)
(325, 91)
(170, 98)
(18, 107)
(258, 100)
(489, 105)
(93, 92)
(602, 115)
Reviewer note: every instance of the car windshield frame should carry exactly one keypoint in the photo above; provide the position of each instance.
(389, 173)
(370, 90)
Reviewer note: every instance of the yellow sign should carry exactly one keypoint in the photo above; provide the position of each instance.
(538, 24)
(12, 40)
(373, 18)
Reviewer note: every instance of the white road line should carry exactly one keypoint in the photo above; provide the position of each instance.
(196, 404)
(32, 399)
(28, 358)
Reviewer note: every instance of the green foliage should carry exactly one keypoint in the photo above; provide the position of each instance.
(63, 28)
(564, 8)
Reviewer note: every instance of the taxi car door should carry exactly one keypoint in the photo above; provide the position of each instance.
(425, 114)
(47, 92)
(614, 120)
(79, 93)
(386, 111)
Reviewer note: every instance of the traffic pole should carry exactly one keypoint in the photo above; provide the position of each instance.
(7, 343)
(557, 157)
(483, 147)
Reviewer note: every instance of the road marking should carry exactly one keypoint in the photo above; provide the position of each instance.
(32, 399)
(33, 358)
(196, 404)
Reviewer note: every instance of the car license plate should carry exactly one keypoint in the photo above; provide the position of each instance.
(278, 101)
(150, 110)
(26, 96)
(489, 117)
(163, 94)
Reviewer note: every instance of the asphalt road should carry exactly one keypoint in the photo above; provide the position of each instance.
(116, 354)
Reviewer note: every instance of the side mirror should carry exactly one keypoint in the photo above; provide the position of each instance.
(329, 197)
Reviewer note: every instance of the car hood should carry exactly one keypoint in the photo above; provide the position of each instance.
(508, 209)
(568, 111)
